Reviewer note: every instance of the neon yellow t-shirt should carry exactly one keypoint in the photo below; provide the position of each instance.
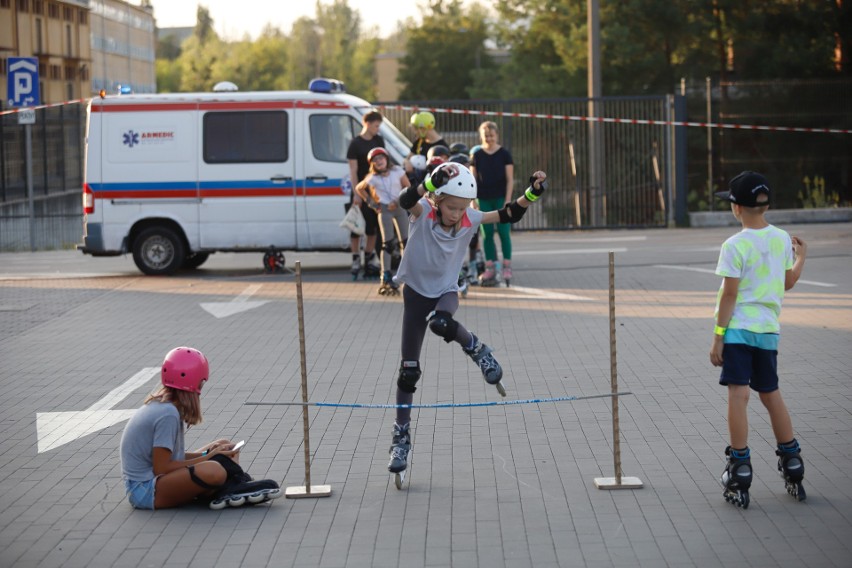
(760, 259)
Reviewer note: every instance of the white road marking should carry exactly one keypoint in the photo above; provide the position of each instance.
(568, 251)
(711, 271)
(520, 292)
(235, 306)
(54, 429)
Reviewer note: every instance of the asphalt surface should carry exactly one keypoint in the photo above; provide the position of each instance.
(80, 339)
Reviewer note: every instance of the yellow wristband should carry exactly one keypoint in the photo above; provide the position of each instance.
(718, 330)
(531, 197)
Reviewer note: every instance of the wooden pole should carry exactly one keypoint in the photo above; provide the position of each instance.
(617, 481)
(307, 490)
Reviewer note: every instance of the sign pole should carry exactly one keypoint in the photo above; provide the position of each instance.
(28, 141)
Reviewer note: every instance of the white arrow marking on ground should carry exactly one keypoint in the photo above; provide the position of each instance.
(520, 291)
(709, 271)
(235, 306)
(55, 429)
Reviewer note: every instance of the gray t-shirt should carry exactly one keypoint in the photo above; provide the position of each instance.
(155, 425)
(433, 257)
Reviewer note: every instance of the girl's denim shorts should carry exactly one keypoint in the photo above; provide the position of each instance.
(140, 493)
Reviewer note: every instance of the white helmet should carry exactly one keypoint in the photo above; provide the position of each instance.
(418, 161)
(460, 182)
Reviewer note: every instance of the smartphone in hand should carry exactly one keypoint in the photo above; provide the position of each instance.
(239, 445)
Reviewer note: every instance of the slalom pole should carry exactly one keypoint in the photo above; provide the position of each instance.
(616, 482)
(298, 492)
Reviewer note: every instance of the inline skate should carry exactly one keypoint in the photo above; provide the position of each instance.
(388, 286)
(400, 452)
(792, 468)
(736, 479)
(491, 369)
(372, 266)
(489, 277)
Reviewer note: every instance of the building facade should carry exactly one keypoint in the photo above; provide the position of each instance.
(57, 34)
(123, 41)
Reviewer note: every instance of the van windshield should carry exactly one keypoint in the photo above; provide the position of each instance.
(394, 138)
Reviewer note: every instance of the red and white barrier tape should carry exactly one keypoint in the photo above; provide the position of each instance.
(579, 118)
(622, 120)
(51, 105)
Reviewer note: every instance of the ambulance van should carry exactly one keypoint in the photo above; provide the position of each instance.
(172, 178)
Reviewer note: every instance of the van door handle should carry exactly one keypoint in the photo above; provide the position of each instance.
(280, 179)
(318, 178)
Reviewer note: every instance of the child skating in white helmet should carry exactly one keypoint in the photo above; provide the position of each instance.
(158, 473)
(437, 245)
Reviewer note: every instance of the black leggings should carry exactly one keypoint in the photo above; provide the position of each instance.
(416, 308)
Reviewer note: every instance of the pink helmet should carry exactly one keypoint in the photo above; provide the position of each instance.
(377, 152)
(185, 368)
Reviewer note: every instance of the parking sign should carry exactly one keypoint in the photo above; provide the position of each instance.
(22, 82)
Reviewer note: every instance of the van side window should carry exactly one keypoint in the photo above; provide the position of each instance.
(245, 137)
(331, 135)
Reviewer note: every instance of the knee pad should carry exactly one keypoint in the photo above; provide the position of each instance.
(391, 245)
(200, 482)
(409, 374)
(443, 325)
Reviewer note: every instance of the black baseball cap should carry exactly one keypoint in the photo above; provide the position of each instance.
(744, 189)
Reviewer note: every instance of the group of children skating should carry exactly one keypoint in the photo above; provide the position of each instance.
(432, 218)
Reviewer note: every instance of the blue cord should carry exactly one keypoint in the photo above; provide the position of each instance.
(440, 404)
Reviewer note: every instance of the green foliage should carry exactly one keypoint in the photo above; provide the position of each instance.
(168, 76)
(446, 53)
(815, 196)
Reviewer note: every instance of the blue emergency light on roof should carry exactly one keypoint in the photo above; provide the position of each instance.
(323, 85)
(125, 90)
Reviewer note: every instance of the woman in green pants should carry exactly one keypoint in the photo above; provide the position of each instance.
(494, 171)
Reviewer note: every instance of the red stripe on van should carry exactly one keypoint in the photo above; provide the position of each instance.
(242, 105)
(146, 194)
(247, 105)
(217, 193)
(144, 107)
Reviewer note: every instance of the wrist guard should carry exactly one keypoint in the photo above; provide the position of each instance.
(512, 212)
(409, 197)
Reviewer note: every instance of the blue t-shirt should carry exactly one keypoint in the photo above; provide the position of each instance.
(155, 425)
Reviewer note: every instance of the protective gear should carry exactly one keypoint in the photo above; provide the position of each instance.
(536, 192)
(418, 161)
(377, 152)
(423, 119)
(391, 245)
(408, 197)
(512, 212)
(439, 150)
(434, 163)
(185, 368)
(409, 374)
(459, 148)
(452, 179)
(443, 325)
(460, 159)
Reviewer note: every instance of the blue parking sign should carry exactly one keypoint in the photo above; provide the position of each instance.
(22, 82)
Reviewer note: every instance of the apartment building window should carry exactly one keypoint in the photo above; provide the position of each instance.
(38, 7)
(84, 17)
(55, 72)
(39, 41)
(68, 43)
(5, 3)
(3, 63)
(69, 91)
(53, 11)
(42, 69)
(70, 73)
(84, 73)
(68, 13)
(23, 5)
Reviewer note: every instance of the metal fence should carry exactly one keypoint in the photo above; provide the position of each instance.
(634, 186)
(57, 178)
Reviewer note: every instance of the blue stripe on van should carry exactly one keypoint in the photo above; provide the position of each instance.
(184, 185)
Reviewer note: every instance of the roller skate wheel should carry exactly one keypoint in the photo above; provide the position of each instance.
(218, 504)
(236, 501)
(500, 389)
(743, 500)
(399, 479)
(256, 498)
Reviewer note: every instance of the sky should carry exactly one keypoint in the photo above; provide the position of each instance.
(232, 19)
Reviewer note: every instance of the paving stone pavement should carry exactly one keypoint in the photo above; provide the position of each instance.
(489, 486)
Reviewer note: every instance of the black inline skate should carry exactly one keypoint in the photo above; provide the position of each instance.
(356, 265)
(491, 369)
(736, 479)
(792, 468)
(388, 286)
(372, 266)
(400, 452)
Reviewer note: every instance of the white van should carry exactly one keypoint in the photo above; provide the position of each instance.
(175, 177)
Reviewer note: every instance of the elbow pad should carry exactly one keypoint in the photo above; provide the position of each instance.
(512, 212)
(408, 197)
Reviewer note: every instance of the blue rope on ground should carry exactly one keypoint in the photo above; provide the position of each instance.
(440, 404)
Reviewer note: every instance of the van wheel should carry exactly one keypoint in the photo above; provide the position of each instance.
(195, 260)
(158, 250)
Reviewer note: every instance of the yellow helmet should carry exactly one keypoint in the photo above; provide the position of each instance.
(423, 119)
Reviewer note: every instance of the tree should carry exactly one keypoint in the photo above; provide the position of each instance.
(444, 53)
(200, 52)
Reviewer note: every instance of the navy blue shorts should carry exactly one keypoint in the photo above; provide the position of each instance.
(746, 365)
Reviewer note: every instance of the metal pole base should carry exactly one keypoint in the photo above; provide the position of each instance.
(613, 483)
(303, 491)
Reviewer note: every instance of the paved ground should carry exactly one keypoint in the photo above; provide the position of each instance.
(495, 486)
